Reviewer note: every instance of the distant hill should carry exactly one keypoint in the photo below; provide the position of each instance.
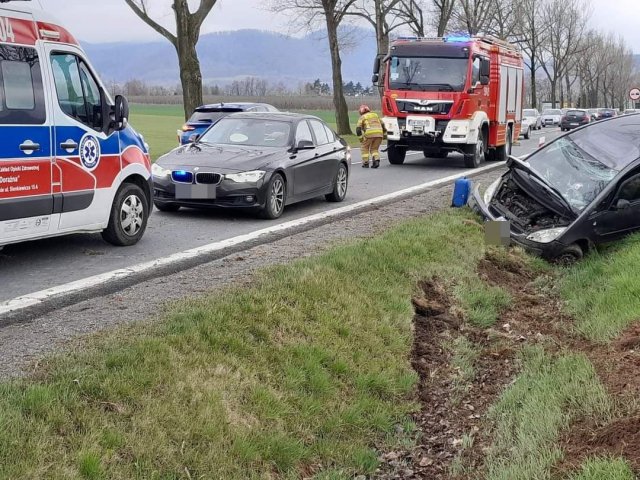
(226, 56)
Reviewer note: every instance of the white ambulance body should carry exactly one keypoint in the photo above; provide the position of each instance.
(69, 162)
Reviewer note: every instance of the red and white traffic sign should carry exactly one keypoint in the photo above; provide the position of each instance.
(634, 94)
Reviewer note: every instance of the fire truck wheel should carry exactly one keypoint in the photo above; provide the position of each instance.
(474, 159)
(128, 218)
(396, 154)
(503, 151)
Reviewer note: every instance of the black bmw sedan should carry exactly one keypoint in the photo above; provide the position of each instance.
(260, 161)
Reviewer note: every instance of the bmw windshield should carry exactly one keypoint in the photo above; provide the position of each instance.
(580, 165)
(428, 73)
(248, 132)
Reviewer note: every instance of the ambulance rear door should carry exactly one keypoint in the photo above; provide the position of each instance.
(26, 195)
(88, 157)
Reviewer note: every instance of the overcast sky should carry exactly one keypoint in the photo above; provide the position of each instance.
(112, 20)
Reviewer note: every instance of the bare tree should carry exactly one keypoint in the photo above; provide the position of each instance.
(504, 20)
(412, 13)
(566, 21)
(332, 12)
(443, 10)
(381, 15)
(474, 16)
(530, 34)
(185, 39)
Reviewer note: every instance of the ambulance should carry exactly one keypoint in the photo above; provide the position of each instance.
(69, 161)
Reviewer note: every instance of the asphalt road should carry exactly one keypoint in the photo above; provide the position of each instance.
(33, 266)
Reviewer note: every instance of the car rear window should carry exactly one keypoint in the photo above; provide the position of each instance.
(576, 113)
(211, 116)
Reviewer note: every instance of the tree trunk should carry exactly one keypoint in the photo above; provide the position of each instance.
(339, 102)
(534, 88)
(190, 73)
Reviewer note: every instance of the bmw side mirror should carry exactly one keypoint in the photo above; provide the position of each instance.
(121, 112)
(305, 145)
(622, 204)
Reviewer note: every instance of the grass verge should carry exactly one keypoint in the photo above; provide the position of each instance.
(299, 374)
(548, 395)
(603, 293)
(605, 469)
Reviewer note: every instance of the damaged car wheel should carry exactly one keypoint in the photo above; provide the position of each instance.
(570, 255)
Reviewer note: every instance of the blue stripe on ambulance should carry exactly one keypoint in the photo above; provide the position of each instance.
(11, 137)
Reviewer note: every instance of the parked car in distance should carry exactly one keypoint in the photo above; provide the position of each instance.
(551, 117)
(531, 120)
(578, 191)
(574, 118)
(258, 161)
(607, 113)
(206, 115)
(593, 112)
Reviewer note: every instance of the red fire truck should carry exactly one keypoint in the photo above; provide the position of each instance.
(455, 94)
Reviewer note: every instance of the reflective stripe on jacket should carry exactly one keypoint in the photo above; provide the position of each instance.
(371, 126)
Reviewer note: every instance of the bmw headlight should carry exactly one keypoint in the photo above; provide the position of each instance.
(158, 171)
(546, 236)
(491, 191)
(246, 177)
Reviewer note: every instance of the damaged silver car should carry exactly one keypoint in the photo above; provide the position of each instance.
(581, 190)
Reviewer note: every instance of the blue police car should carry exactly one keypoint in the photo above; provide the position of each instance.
(207, 115)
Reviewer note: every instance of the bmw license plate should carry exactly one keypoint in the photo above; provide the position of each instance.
(195, 192)
(574, 124)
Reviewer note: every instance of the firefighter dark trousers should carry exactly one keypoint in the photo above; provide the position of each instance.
(371, 149)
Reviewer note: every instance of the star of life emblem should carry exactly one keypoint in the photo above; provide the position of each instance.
(89, 151)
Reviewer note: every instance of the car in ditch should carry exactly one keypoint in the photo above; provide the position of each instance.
(258, 161)
(581, 190)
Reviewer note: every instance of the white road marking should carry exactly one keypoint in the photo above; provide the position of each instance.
(37, 298)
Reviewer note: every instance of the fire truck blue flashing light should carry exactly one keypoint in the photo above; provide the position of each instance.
(457, 39)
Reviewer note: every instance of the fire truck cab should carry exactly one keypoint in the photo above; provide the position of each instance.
(69, 161)
(455, 94)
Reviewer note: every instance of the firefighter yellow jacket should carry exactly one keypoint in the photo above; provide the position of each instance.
(370, 126)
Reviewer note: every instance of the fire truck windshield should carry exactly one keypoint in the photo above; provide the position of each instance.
(428, 73)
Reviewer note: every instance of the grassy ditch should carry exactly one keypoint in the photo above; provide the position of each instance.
(303, 372)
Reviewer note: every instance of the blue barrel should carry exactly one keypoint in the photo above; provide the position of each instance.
(461, 192)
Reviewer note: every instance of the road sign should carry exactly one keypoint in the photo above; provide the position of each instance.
(634, 94)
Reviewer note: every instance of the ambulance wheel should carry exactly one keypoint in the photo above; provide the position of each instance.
(396, 154)
(474, 159)
(167, 207)
(129, 216)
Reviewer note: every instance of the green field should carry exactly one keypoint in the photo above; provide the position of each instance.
(159, 125)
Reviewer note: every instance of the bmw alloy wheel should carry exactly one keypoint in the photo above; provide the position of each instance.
(131, 215)
(341, 182)
(277, 196)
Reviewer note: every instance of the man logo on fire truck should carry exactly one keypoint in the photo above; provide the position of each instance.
(455, 94)
(69, 161)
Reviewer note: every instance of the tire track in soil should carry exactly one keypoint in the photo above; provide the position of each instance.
(535, 317)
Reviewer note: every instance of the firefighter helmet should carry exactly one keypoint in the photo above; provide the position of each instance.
(364, 109)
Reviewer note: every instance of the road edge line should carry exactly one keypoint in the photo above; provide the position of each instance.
(36, 299)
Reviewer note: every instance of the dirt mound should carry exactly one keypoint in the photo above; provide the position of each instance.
(620, 438)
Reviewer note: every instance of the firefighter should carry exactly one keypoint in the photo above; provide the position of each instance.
(370, 131)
